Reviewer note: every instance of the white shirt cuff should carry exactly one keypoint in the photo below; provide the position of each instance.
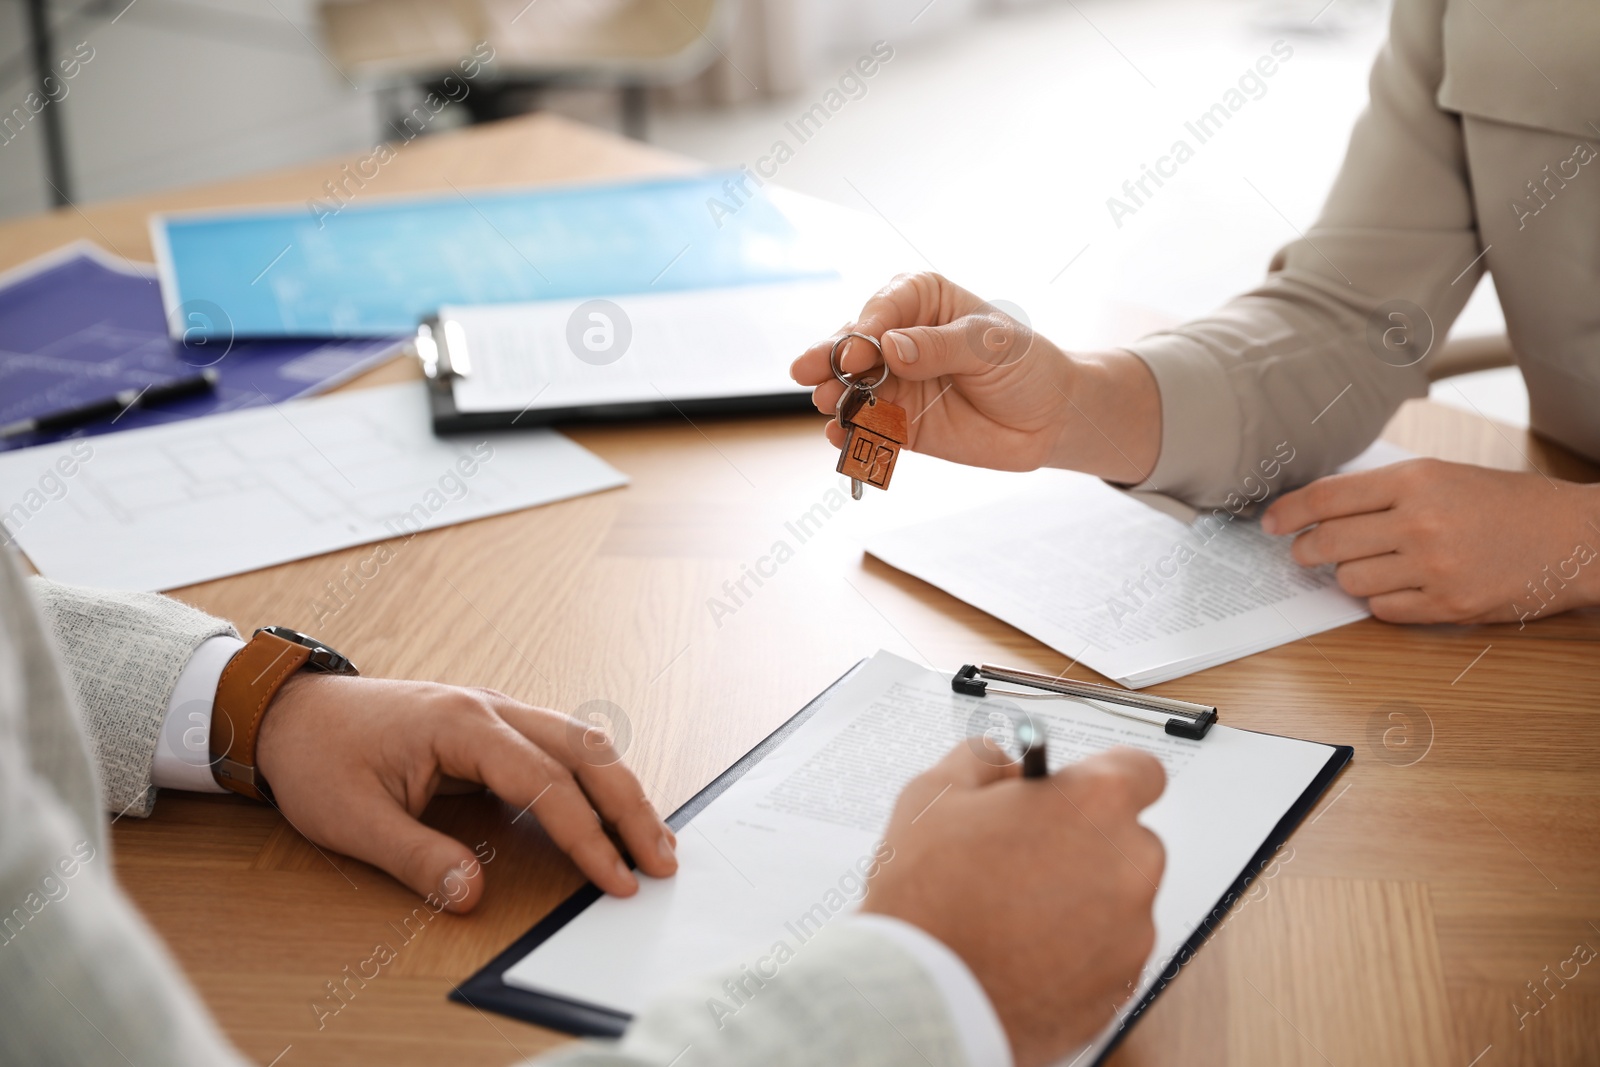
(183, 754)
(983, 1039)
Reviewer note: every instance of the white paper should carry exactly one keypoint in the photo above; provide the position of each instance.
(778, 856)
(695, 344)
(1132, 592)
(169, 506)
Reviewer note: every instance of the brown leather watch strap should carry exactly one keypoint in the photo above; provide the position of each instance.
(248, 684)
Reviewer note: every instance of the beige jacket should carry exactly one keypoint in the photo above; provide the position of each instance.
(84, 684)
(83, 981)
(1479, 150)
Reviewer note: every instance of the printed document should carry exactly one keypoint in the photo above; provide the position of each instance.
(1130, 591)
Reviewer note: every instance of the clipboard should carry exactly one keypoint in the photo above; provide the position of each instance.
(676, 354)
(443, 371)
(487, 989)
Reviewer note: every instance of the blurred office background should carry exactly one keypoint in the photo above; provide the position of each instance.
(991, 142)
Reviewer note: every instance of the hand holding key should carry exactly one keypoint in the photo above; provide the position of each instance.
(981, 388)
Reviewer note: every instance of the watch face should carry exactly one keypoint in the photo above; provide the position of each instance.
(323, 658)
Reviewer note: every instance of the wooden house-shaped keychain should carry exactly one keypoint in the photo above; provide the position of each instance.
(874, 432)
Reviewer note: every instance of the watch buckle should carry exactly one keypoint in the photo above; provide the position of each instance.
(241, 774)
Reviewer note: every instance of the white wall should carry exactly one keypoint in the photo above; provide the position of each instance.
(184, 91)
(178, 93)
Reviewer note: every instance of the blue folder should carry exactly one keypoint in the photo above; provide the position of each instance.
(376, 267)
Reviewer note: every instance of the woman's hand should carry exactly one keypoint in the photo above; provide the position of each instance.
(1430, 541)
(981, 388)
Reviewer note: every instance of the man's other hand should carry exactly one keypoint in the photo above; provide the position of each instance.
(354, 761)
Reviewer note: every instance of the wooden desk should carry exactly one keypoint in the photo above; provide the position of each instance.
(1399, 928)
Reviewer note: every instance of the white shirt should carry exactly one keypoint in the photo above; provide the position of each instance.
(183, 752)
(183, 761)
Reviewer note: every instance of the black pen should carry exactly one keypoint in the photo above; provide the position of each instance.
(1035, 761)
(114, 406)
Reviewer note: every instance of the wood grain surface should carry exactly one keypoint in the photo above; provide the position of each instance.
(1450, 872)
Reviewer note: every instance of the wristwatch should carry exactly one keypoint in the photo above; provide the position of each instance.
(249, 682)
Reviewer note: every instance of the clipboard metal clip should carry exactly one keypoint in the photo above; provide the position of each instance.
(441, 345)
(1180, 718)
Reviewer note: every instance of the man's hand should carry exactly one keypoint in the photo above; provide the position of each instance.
(1043, 887)
(981, 388)
(1430, 541)
(354, 761)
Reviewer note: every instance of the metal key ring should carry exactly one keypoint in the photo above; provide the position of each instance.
(856, 383)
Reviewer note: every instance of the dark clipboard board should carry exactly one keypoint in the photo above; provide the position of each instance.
(448, 419)
(487, 990)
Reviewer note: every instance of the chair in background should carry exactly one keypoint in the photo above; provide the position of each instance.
(628, 45)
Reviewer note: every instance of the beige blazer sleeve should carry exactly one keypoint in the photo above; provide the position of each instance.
(83, 981)
(123, 653)
(1288, 368)
(849, 998)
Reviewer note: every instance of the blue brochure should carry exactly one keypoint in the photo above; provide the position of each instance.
(78, 325)
(373, 267)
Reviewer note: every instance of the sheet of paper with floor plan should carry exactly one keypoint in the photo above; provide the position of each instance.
(169, 506)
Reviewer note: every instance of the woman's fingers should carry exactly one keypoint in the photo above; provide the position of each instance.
(909, 300)
(923, 299)
(1404, 606)
(826, 396)
(1351, 537)
(1351, 493)
(979, 342)
(1376, 575)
